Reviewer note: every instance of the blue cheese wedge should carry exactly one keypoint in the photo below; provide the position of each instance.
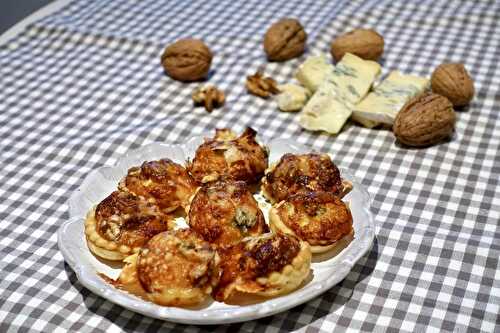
(292, 97)
(353, 78)
(313, 71)
(324, 111)
(386, 100)
(332, 104)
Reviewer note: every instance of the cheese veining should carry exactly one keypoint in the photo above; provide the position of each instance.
(332, 104)
(313, 71)
(386, 100)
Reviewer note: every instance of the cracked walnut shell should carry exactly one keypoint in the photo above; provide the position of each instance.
(425, 120)
(187, 60)
(284, 40)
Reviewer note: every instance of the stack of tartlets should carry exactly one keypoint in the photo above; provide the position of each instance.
(228, 250)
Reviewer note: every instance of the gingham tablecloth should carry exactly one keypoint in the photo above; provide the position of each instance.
(84, 85)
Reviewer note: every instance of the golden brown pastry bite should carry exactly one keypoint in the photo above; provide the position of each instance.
(319, 218)
(163, 182)
(121, 224)
(175, 268)
(301, 173)
(240, 158)
(267, 265)
(224, 211)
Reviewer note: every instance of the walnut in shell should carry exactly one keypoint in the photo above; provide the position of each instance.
(284, 40)
(452, 81)
(365, 43)
(187, 60)
(425, 120)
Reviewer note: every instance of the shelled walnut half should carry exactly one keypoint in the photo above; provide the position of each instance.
(261, 86)
(208, 96)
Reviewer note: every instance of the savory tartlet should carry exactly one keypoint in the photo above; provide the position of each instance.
(321, 219)
(301, 173)
(224, 211)
(121, 224)
(267, 265)
(240, 158)
(175, 268)
(163, 182)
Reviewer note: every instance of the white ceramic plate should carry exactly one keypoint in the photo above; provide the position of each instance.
(101, 182)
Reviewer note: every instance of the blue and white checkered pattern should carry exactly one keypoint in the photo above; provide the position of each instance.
(84, 85)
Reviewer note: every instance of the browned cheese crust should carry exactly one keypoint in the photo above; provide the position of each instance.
(268, 265)
(320, 218)
(126, 219)
(224, 211)
(177, 268)
(301, 173)
(163, 182)
(240, 158)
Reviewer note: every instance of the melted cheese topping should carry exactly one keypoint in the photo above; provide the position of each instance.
(224, 212)
(298, 173)
(289, 278)
(317, 232)
(178, 268)
(162, 182)
(225, 155)
(277, 225)
(174, 269)
(266, 265)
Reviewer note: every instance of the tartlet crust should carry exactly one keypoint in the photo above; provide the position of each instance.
(175, 268)
(268, 265)
(318, 218)
(101, 246)
(120, 225)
